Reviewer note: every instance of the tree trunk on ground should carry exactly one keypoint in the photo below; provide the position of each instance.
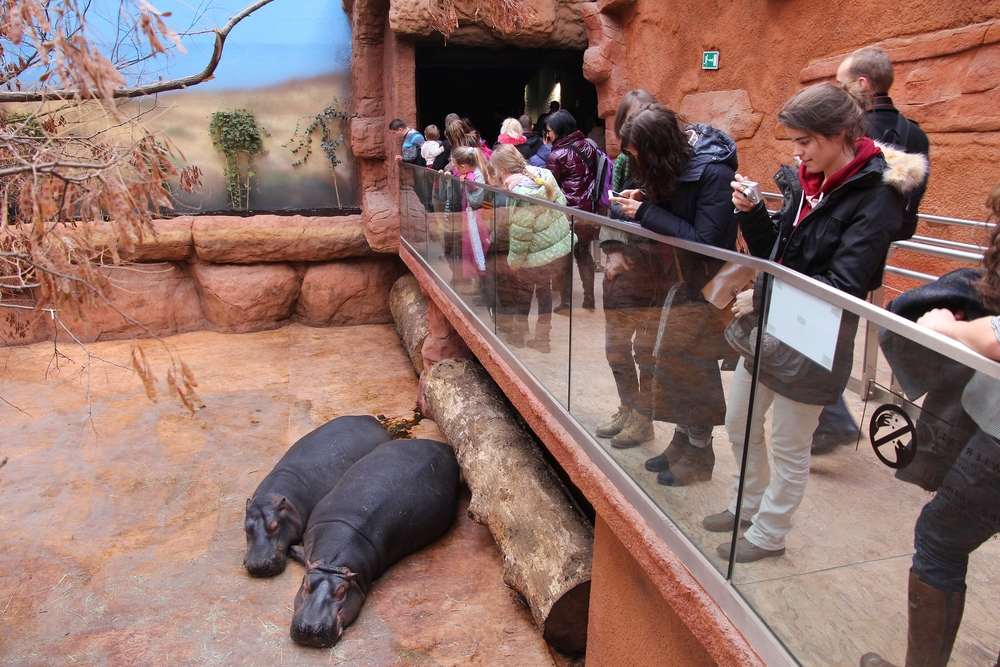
(546, 544)
(409, 311)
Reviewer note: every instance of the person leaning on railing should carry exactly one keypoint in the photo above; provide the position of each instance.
(965, 511)
(540, 241)
(840, 211)
(685, 172)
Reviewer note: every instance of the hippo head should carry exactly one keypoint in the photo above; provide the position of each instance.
(272, 525)
(327, 602)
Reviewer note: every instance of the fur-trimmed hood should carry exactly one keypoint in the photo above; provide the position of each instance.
(905, 171)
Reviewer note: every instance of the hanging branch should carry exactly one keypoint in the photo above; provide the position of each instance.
(142, 91)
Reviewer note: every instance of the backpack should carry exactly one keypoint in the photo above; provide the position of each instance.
(603, 172)
(411, 151)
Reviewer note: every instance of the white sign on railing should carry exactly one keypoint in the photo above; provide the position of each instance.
(804, 322)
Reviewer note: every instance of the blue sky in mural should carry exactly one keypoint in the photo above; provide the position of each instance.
(287, 39)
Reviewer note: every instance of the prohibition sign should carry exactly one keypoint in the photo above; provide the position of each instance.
(890, 425)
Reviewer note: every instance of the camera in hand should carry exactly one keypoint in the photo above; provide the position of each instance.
(751, 190)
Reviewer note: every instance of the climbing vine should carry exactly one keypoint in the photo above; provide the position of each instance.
(239, 137)
(326, 121)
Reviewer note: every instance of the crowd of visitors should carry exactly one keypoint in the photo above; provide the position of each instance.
(861, 170)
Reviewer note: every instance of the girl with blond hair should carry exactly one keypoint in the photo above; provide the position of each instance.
(540, 241)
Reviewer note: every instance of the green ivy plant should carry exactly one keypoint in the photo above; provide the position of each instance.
(325, 121)
(235, 134)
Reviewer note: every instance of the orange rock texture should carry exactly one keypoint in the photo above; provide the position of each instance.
(947, 78)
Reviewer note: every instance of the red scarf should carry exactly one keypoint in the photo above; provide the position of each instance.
(813, 185)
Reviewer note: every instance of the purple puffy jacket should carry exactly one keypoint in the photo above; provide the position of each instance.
(574, 175)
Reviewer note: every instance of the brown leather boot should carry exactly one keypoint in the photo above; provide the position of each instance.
(934, 619)
(695, 465)
(543, 329)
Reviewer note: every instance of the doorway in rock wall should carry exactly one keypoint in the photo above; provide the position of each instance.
(489, 85)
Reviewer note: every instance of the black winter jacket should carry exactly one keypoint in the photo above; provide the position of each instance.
(842, 242)
(701, 209)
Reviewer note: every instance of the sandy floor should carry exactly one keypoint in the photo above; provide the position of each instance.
(123, 518)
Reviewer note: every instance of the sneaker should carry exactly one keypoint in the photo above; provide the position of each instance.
(562, 309)
(723, 522)
(747, 551)
(615, 426)
(638, 430)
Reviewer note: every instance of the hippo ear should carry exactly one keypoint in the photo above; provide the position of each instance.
(298, 554)
(248, 504)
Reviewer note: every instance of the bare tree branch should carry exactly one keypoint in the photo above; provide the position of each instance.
(142, 91)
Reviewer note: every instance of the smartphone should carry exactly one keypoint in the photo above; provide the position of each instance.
(612, 193)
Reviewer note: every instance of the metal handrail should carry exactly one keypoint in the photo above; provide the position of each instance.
(874, 314)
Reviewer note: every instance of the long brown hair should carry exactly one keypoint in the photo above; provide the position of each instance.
(989, 285)
(653, 135)
(459, 134)
(827, 110)
(633, 99)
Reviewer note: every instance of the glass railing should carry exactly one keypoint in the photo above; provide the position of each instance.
(656, 346)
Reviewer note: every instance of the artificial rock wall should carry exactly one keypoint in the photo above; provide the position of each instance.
(946, 57)
(233, 275)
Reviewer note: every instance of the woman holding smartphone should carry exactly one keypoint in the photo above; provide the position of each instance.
(842, 206)
(685, 175)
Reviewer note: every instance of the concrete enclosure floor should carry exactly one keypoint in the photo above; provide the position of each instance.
(123, 518)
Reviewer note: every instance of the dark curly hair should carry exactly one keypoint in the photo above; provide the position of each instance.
(989, 285)
(654, 137)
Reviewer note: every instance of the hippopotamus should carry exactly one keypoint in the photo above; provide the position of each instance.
(279, 510)
(394, 501)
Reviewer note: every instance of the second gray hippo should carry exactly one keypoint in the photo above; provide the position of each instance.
(279, 510)
(396, 500)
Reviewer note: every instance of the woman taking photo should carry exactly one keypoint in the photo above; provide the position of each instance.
(540, 241)
(685, 174)
(842, 206)
(573, 162)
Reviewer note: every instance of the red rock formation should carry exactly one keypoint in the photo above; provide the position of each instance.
(246, 297)
(347, 293)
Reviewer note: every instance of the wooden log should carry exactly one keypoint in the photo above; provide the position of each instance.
(546, 543)
(409, 311)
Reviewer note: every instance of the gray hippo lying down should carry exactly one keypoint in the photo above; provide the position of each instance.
(394, 501)
(279, 510)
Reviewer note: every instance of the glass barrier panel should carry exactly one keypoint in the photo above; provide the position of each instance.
(839, 495)
(651, 373)
(529, 256)
(412, 217)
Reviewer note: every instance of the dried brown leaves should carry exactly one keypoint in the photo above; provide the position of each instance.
(75, 168)
(504, 16)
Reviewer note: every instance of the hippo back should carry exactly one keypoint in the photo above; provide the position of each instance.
(400, 497)
(317, 460)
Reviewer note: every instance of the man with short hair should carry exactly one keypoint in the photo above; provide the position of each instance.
(412, 141)
(534, 139)
(868, 72)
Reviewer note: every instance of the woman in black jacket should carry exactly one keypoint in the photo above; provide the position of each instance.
(685, 175)
(841, 208)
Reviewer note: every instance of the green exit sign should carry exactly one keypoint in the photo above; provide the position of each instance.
(710, 60)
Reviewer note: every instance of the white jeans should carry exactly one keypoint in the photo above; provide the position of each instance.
(770, 502)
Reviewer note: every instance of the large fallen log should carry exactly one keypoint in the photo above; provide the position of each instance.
(409, 310)
(546, 543)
